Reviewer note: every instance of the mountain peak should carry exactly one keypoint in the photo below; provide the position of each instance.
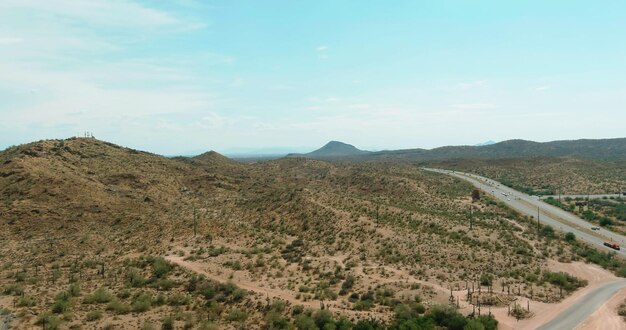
(338, 144)
(486, 143)
(336, 149)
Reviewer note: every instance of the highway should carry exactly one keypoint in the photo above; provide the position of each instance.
(548, 214)
(584, 307)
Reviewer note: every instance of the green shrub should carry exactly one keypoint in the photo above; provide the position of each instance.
(236, 315)
(141, 303)
(135, 279)
(26, 301)
(74, 290)
(177, 299)
(161, 299)
(13, 289)
(563, 280)
(163, 284)
(50, 322)
(486, 279)
(93, 316)
(60, 306)
(305, 322)
(167, 324)
(147, 325)
(118, 307)
(99, 296)
(160, 267)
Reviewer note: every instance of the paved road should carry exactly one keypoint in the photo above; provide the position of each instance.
(584, 307)
(584, 196)
(548, 214)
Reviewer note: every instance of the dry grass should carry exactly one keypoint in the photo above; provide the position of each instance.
(355, 238)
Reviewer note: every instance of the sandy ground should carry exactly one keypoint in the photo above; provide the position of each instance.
(264, 290)
(543, 312)
(606, 317)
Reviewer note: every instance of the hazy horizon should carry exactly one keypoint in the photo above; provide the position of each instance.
(189, 76)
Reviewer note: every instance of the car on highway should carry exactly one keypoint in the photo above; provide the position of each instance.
(595, 228)
(612, 245)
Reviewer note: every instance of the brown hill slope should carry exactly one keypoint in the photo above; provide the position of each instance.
(55, 184)
(302, 230)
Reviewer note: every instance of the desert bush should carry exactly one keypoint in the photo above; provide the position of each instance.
(141, 303)
(236, 315)
(99, 296)
(13, 289)
(118, 307)
(50, 322)
(74, 290)
(93, 316)
(167, 323)
(60, 305)
(26, 301)
(147, 325)
(564, 280)
(178, 299)
(163, 284)
(160, 267)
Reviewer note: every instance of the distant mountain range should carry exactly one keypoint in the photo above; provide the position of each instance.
(610, 149)
(486, 143)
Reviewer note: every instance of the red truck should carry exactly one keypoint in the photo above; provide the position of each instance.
(612, 245)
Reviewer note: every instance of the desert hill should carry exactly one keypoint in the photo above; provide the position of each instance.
(609, 149)
(599, 149)
(361, 238)
(333, 149)
(65, 185)
(213, 157)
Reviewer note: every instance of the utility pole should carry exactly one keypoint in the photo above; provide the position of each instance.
(194, 221)
(471, 218)
(537, 220)
(377, 207)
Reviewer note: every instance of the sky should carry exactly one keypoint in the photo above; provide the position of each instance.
(187, 76)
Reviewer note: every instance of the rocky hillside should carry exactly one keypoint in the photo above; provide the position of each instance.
(603, 149)
(211, 243)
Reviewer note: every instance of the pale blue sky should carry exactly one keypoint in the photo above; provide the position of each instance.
(189, 76)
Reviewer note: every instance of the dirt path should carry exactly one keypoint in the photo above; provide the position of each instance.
(274, 293)
(594, 274)
(241, 282)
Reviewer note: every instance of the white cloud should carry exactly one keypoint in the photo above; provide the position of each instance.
(216, 121)
(280, 87)
(322, 52)
(474, 106)
(359, 106)
(470, 84)
(120, 13)
(543, 88)
(10, 40)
